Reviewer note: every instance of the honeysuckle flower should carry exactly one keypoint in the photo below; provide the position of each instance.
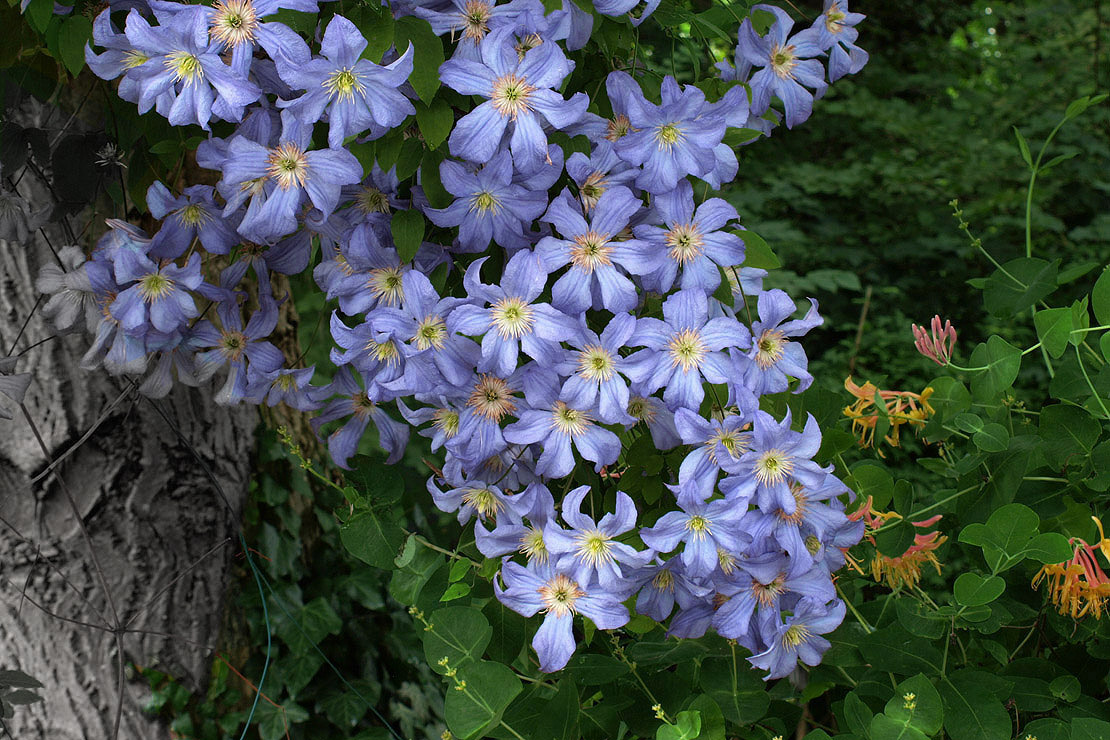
(355, 93)
(694, 242)
(1077, 586)
(683, 350)
(704, 528)
(716, 441)
(938, 345)
(183, 72)
(777, 458)
(786, 65)
(192, 215)
(595, 382)
(354, 402)
(520, 100)
(773, 357)
(542, 587)
(589, 551)
(511, 322)
(159, 296)
(558, 427)
(678, 137)
(593, 250)
(900, 408)
(488, 205)
(276, 179)
(836, 34)
(798, 638)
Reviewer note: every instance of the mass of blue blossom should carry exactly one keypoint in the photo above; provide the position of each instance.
(589, 313)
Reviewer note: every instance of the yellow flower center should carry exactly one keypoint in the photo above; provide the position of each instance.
(735, 442)
(698, 527)
(184, 66)
(232, 344)
(590, 251)
(772, 467)
(491, 398)
(288, 165)
(475, 20)
(783, 61)
(484, 202)
(387, 285)
(571, 422)
(593, 547)
(155, 286)
(234, 22)
(385, 352)
(833, 17)
(663, 581)
(511, 95)
(192, 215)
(134, 58)
(767, 593)
(559, 595)
(687, 350)
(533, 546)
(795, 635)
(372, 200)
(447, 421)
(512, 318)
(685, 243)
(343, 84)
(592, 189)
(769, 348)
(483, 501)
(596, 363)
(668, 134)
(619, 126)
(432, 332)
(641, 409)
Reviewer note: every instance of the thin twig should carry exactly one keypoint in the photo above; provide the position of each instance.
(859, 330)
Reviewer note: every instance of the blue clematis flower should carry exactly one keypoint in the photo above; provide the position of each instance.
(786, 63)
(593, 250)
(798, 638)
(693, 241)
(277, 179)
(819, 513)
(836, 34)
(511, 321)
(243, 349)
(772, 357)
(520, 100)
(192, 215)
(355, 93)
(684, 349)
(663, 584)
(354, 402)
(159, 297)
(183, 72)
(557, 427)
(718, 442)
(488, 205)
(595, 380)
(547, 588)
(520, 529)
(589, 551)
(705, 528)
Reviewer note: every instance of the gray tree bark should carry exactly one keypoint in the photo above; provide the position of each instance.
(153, 520)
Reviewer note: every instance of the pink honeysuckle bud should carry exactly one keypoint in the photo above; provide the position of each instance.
(938, 345)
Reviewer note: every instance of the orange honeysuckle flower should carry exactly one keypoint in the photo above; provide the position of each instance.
(1078, 586)
(901, 407)
(902, 570)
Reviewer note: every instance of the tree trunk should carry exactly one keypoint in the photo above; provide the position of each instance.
(150, 512)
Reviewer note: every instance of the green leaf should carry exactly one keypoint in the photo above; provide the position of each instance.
(1080, 320)
(1076, 107)
(1024, 147)
(857, 715)
(591, 669)
(972, 589)
(887, 728)
(370, 539)
(318, 620)
(75, 32)
(459, 634)
(409, 580)
(1049, 548)
(1089, 728)
(1053, 329)
(949, 398)
(687, 726)
(489, 689)
(923, 710)
(1005, 533)
(344, 708)
(1046, 729)
(972, 708)
(756, 251)
(297, 669)
(668, 652)
(897, 651)
(712, 719)
(1100, 298)
(1068, 433)
(39, 13)
(872, 479)
(427, 54)
(407, 228)
(738, 691)
(459, 569)
(455, 591)
(376, 25)
(992, 438)
(1002, 361)
(1019, 284)
(1065, 687)
(560, 715)
(435, 121)
(18, 680)
(969, 423)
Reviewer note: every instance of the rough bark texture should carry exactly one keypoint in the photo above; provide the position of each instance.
(148, 506)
